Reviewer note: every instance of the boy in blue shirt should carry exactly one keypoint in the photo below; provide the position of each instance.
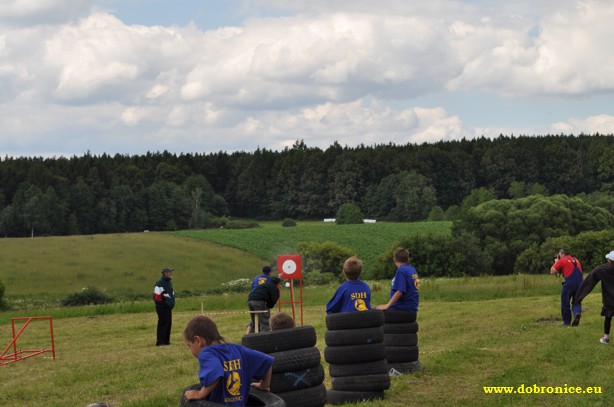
(404, 295)
(225, 370)
(354, 294)
(265, 277)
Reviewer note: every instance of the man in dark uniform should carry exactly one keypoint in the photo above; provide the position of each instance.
(164, 298)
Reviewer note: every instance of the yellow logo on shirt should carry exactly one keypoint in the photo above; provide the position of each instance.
(360, 305)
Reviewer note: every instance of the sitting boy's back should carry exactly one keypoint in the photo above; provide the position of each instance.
(353, 294)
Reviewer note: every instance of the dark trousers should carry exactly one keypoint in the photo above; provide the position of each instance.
(165, 322)
(568, 295)
(263, 317)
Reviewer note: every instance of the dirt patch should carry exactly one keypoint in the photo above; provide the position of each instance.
(550, 319)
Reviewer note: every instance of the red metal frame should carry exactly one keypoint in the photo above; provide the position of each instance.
(292, 301)
(16, 355)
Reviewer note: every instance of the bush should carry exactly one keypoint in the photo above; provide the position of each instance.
(88, 296)
(438, 256)
(3, 305)
(288, 222)
(316, 278)
(349, 214)
(238, 286)
(324, 257)
(588, 247)
(236, 224)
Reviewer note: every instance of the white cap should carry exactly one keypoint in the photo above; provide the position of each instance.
(610, 256)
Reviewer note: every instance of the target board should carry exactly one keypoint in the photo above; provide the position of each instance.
(289, 266)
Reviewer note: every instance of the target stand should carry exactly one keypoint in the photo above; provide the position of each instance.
(289, 269)
(17, 355)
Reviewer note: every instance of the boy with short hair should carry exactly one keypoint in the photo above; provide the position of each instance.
(353, 294)
(281, 320)
(225, 370)
(404, 295)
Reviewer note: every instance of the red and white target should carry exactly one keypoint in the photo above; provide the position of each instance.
(289, 266)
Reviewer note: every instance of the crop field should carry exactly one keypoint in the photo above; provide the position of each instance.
(368, 240)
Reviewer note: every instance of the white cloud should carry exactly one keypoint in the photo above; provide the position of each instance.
(325, 71)
(602, 123)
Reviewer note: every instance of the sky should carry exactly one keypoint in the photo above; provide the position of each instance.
(201, 76)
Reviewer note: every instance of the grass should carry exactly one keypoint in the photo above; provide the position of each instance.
(474, 332)
(271, 239)
(464, 345)
(42, 270)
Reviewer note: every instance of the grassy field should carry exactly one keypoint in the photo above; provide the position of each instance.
(464, 346)
(39, 270)
(474, 332)
(368, 240)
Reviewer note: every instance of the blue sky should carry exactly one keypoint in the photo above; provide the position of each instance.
(132, 76)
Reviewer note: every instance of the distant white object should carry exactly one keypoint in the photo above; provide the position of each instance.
(369, 220)
(287, 284)
(329, 220)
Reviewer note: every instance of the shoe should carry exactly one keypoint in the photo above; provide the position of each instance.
(604, 340)
(576, 320)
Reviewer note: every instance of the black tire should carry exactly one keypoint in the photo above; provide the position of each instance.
(256, 398)
(408, 367)
(402, 354)
(354, 354)
(401, 328)
(309, 397)
(336, 397)
(296, 359)
(400, 339)
(396, 316)
(355, 320)
(281, 340)
(361, 336)
(296, 380)
(358, 369)
(372, 382)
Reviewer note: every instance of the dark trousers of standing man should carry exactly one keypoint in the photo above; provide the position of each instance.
(568, 295)
(165, 322)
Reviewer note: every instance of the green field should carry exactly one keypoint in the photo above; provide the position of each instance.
(474, 332)
(367, 240)
(464, 346)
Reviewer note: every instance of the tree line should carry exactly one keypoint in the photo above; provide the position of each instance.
(163, 191)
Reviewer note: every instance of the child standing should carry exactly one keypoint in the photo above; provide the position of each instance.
(225, 370)
(354, 294)
(605, 274)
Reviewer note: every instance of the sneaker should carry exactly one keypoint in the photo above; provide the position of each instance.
(604, 340)
(576, 320)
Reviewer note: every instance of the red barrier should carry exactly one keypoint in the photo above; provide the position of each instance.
(16, 356)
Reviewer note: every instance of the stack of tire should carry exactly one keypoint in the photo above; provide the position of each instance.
(356, 355)
(401, 341)
(298, 375)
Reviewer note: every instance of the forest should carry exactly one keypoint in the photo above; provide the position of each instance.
(162, 191)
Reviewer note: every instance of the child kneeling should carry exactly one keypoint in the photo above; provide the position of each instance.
(226, 370)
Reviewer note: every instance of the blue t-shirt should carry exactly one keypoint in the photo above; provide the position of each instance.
(406, 280)
(353, 295)
(236, 365)
(261, 279)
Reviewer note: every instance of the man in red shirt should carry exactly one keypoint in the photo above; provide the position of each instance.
(571, 269)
